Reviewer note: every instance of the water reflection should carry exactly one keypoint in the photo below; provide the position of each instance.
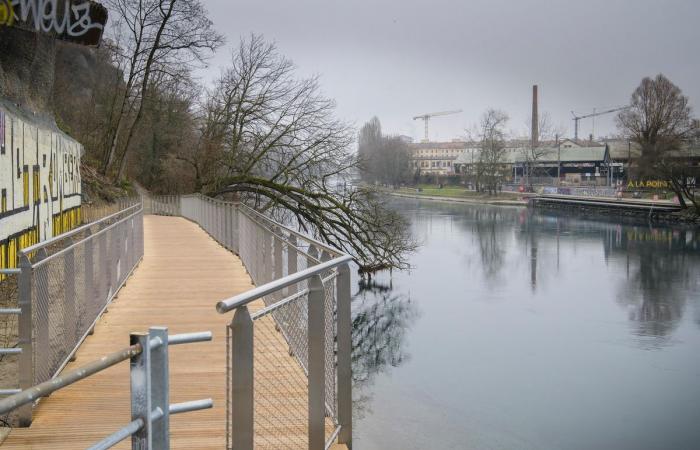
(381, 319)
(662, 264)
(536, 331)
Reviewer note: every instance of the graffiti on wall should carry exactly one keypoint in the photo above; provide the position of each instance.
(40, 190)
(78, 21)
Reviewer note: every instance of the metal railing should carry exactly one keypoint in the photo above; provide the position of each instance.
(64, 285)
(150, 388)
(288, 361)
(92, 212)
(163, 205)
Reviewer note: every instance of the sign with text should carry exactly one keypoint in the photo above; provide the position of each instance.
(77, 21)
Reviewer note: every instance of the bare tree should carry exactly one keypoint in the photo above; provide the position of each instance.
(492, 139)
(153, 36)
(368, 143)
(283, 151)
(659, 120)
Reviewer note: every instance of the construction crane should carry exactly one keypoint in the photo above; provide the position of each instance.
(426, 119)
(594, 114)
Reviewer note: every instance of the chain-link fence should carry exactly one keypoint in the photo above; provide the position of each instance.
(64, 285)
(286, 357)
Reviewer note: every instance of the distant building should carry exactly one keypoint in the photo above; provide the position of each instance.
(437, 158)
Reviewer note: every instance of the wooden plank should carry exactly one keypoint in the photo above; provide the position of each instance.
(183, 274)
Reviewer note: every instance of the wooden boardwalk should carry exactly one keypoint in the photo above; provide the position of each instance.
(183, 274)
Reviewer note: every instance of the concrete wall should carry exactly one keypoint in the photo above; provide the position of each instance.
(39, 182)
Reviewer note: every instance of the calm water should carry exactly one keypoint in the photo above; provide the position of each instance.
(525, 331)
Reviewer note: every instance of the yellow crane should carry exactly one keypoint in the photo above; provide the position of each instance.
(426, 119)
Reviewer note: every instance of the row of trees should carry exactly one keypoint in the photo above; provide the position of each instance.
(259, 134)
(383, 159)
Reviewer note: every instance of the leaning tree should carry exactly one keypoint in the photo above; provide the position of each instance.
(279, 147)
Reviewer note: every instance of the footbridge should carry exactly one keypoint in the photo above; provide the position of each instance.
(102, 312)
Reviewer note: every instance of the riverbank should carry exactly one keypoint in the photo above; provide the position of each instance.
(476, 200)
(460, 195)
(621, 209)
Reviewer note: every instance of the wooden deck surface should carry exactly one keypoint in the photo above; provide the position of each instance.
(183, 274)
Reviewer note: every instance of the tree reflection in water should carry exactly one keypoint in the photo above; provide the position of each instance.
(661, 270)
(661, 264)
(381, 318)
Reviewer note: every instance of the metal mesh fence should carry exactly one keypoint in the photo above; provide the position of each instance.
(281, 387)
(270, 252)
(92, 212)
(71, 288)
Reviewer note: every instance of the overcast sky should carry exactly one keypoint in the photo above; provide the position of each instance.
(396, 59)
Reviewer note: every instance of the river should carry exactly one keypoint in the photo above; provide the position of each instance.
(522, 330)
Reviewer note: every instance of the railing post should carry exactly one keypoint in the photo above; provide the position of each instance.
(26, 366)
(312, 258)
(69, 312)
(105, 277)
(292, 262)
(241, 389)
(317, 362)
(41, 313)
(267, 255)
(236, 230)
(344, 327)
(116, 257)
(278, 263)
(160, 387)
(89, 277)
(227, 227)
(141, 407)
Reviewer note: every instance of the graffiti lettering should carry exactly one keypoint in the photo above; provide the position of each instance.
(7, 16)
(80, 21)
(653, 184)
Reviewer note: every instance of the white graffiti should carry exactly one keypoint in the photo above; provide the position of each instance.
(46, 15)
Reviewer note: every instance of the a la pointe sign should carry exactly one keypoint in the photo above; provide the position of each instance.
(79, 21)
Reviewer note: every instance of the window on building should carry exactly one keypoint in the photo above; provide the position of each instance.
(3, 201)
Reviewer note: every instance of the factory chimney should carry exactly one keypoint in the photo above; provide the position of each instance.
(535, 119)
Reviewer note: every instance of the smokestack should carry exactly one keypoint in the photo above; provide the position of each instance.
(535, 119)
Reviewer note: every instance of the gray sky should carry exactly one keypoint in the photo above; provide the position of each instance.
(399, 58)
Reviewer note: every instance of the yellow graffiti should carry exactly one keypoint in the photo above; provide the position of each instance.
(7, 14)
(654, 184)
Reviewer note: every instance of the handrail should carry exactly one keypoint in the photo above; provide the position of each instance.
(243, 299)
(48, 387)
(92, 236)
(74, 231)
(315, 320)
(149, 366)
(247, 209)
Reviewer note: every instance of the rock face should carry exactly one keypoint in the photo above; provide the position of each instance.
(27, 61)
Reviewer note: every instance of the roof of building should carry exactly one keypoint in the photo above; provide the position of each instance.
(440, 145)
(543, 154)
(623, 149)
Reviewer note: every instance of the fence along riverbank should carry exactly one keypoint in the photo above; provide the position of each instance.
(271, 253)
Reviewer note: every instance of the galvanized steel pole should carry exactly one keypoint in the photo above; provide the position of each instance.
(317, 363)
(242, 379)
(344, 324)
